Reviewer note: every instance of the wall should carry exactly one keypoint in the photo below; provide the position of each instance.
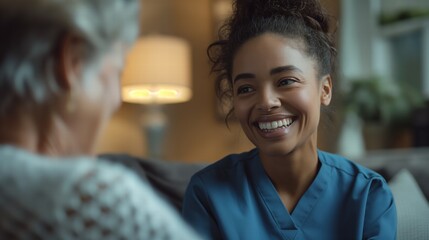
(195, 133)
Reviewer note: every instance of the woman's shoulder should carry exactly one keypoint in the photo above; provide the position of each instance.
(345, 166)
(24, 175)
(42, 182)
(16, 164)
(231, 162)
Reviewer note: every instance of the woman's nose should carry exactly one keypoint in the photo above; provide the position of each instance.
(268, 100)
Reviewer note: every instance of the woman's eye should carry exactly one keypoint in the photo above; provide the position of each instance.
(286, 81)
(244, 90)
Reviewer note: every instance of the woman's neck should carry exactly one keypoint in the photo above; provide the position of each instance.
(292, 174)
(38, 133)
(290, 170)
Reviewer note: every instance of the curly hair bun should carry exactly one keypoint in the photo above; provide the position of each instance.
(310, 11)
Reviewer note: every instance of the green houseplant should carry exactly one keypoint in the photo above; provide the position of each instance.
(375, 100)
(383, 107)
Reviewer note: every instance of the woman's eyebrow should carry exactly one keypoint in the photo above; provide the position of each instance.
(287, 68)
(244, 76)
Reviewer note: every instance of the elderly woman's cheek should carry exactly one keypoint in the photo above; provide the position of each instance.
(105, 87)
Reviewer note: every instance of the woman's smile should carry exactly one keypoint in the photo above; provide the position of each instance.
(275, 128)
(277, 94)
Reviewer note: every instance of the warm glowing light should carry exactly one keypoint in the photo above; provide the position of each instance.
(157, 94)
(158, 71)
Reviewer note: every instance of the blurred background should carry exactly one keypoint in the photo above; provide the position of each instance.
(381, 83)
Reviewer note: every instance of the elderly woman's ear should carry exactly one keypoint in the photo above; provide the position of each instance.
(70, 64)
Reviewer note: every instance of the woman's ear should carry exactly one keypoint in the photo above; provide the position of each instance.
(69, 62)
(326, 90)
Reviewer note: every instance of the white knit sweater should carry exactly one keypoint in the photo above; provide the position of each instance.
(79, 198)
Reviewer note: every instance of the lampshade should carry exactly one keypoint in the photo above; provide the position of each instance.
(158, 71)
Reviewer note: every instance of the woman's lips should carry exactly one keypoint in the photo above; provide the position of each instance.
(271, 125)
(277, 128)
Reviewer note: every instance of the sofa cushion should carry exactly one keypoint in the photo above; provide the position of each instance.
(390, 162)
(412, 207)
(168, 178)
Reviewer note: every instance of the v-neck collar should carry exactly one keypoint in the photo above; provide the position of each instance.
(289, 224)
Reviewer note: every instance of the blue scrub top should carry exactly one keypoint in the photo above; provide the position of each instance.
(235, 199)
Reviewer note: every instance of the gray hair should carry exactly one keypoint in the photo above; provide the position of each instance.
(31, 31)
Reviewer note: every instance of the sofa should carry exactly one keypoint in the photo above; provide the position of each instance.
(406, 171)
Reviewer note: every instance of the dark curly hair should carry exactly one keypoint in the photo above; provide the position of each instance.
(305, 20)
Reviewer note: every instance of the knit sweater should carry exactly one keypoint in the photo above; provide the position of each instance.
(79, 198)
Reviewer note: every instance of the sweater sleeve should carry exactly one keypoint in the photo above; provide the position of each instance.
(110, 202)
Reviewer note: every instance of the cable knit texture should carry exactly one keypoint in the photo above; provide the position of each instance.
(79, 198)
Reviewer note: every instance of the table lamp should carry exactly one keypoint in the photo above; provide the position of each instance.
(157, 71)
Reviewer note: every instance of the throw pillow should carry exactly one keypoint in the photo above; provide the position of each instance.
(412, 207)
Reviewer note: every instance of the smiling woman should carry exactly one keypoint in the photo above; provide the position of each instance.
(273, 62)
(274, 81)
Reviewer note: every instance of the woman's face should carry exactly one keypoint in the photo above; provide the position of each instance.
(277, 94)
(104, 86)
(99, 96)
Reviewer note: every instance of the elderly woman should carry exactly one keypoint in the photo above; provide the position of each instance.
(60, 67)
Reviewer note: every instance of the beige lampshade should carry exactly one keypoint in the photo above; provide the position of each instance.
(158, 71)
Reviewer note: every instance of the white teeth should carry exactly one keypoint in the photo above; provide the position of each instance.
(275, 124)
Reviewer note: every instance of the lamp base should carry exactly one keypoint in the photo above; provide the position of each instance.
(154, 124)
